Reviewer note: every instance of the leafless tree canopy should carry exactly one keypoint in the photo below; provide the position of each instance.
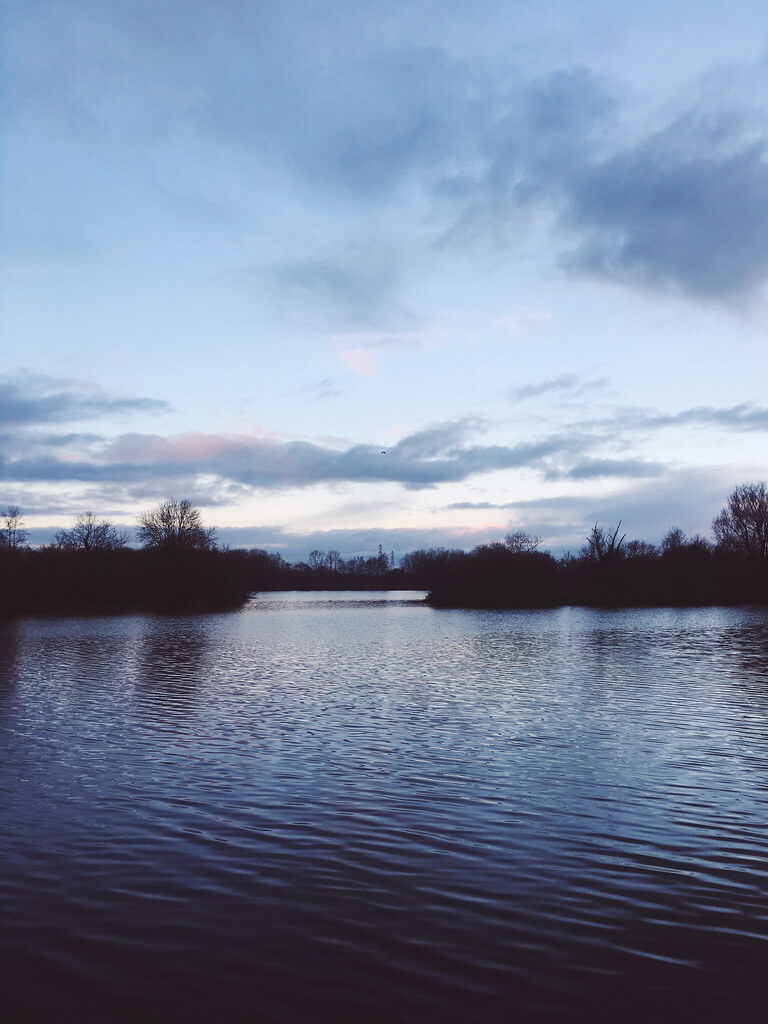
(316, 558)
(333, 561)
(176, 526)
(603, 545)
(91, 534)
(13, 535)
(742, 526)
(519, 541)
(673, 540)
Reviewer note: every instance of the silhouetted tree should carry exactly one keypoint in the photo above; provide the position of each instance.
(742, 525)
(316, 559)
(13, 535)
(520, 541)
(673, 540)
(176, 526)
(381, 562)
(639, 549)
(91, 534)
(333, 561)
(602, 545)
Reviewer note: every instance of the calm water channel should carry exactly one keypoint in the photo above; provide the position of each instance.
(351, 807)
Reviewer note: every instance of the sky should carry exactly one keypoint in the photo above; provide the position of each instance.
(412, 273)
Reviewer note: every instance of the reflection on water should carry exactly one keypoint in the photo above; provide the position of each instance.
(9, 654)
(354, 807)
(171, 657)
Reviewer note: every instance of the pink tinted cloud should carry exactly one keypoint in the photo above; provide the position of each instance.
(149, 449)
(358, 360)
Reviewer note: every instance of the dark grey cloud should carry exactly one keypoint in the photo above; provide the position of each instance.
(28, 399)
(357, 126)
(683, 208)
(438, 454)
(531, 143)
(441, 453)
(344, 112)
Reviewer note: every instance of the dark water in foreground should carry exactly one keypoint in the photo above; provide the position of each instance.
(343, 807)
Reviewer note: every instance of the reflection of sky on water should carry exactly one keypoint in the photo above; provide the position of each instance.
(345, 792)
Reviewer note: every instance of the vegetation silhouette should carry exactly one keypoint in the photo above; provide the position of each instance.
(90, 568)
(608, 571)
(181, 566)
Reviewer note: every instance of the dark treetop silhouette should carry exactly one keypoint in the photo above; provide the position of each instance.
(609, 570)
(181, 566)
(90, 567)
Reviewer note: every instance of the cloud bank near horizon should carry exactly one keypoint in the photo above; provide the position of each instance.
(221, 469)
(647, 511)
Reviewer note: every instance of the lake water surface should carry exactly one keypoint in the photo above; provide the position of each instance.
(352, 807)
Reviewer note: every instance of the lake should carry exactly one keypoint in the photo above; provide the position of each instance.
(353, 807)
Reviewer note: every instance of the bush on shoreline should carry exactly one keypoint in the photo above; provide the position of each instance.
(89, 568)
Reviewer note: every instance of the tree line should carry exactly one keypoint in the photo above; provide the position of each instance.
(180, 564)
(608, 570)
(91, 567)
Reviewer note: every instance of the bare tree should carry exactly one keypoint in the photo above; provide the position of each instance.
(742, 525)
(13, 534)
(603, 545)
(673, 540)
(91, 534)
(176, 526)
(639, 549)
(519, 541)
(316, 559)
(333, 561)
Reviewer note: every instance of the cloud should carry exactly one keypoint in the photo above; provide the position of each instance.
(31, 399)
(219, 464)
(688, 498)
(685, 207)
(357, 350)
(568, 383)
(524, 321)
(361, 116)
(592, 469)
(470, 506)
(320, 390)
(438, 454)
(743, 417)
(746, 417)
(682, 207)
(358, 125)
(358, 360)
(360, 294)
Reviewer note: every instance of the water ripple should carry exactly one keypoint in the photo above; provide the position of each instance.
(346, 807)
